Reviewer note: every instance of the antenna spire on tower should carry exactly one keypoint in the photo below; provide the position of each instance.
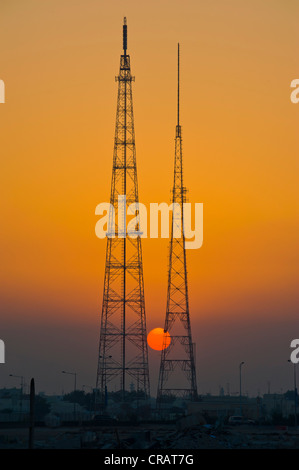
(125, 36)
(178, 84)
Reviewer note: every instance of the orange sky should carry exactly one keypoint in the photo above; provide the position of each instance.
(240, 138)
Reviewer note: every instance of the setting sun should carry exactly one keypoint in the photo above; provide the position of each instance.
(158, 340)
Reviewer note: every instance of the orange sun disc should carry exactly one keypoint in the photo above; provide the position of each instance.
(158, 340)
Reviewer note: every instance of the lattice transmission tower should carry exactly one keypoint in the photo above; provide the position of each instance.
(123, 353)
(177, 375)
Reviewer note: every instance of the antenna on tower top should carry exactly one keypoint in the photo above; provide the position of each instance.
(178, 84)
(125, 36)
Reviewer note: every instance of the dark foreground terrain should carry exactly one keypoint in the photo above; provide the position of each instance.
(152, 436)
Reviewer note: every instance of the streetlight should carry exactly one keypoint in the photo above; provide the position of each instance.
(22, 386)
(295, 389)
(75, 387)
(240, 366)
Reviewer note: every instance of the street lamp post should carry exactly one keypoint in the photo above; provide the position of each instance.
(295, 391)
(22, 387)
(75, 388)
(240, 366)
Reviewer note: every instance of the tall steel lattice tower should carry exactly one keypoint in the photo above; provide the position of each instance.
(177, 369)
(123, 354)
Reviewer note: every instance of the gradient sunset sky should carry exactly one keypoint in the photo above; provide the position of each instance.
(58, 59)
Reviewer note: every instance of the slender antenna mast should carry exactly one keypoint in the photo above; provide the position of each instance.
(125, 36)
(178, 84)
(177, 375)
